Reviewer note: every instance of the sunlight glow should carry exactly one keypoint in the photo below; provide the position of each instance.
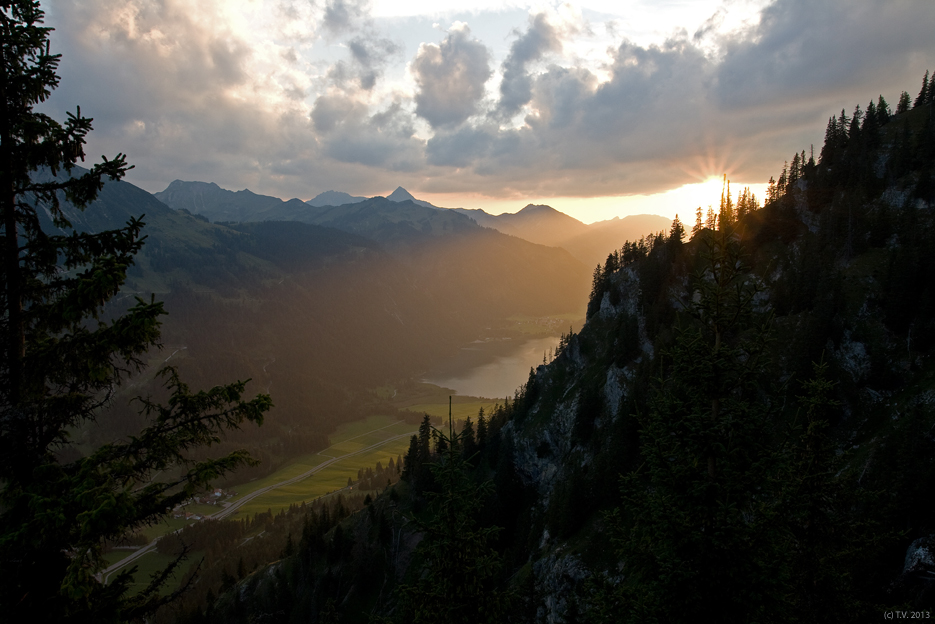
(682, 201)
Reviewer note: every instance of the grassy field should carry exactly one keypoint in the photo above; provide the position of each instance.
(114, 556)
(349, 439)
(294, 469)
(459, 411)
(329, 479)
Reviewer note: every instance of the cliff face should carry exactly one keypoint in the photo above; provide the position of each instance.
(567, 444)
(839, 266)
(859, 303)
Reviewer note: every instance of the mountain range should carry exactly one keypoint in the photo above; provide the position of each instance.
(539, 224)
(318, 312)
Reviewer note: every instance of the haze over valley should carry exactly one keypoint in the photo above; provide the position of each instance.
(406, 313)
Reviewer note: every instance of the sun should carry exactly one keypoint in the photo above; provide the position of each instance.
(703, 194)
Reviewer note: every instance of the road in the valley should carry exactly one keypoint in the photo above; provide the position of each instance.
(233, 507)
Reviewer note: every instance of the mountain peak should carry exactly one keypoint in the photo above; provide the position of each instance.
(400, 195)
(334, 198)
(185, 184)
(538, 208)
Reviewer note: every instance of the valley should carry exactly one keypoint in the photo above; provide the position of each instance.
(355, 446)
(513, 397)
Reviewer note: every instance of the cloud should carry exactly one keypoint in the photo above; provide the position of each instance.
(673, 113)
(182, 89)
(516, 86)
(804, 49)
(460, 148)
(260, 95)
(369, 58)
(342, 15)
(384, 140)
(450, 77)
(371, 54)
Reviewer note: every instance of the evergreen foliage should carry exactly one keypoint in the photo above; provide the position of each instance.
(694, 529)
(924, 95)
(62, 362)
(457, 574)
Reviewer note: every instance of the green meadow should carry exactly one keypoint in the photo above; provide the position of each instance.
(349, 439)
(329, 479)
(459, 411)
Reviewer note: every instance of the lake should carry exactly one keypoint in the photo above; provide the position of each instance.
(491, 368)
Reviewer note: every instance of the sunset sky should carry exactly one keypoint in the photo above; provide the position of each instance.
(599, 109)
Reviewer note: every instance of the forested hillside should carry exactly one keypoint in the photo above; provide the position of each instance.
(744, 427)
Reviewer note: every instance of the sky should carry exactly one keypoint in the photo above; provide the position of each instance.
(597, 108)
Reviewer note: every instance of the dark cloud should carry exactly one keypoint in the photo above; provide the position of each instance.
(803, 49)
(330, 111)
(461, 147)
(451, 78)
(710, 25)
(371, 54)
(383, 140)
(342, 15)
(516, 87)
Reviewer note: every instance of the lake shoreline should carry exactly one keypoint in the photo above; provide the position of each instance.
(492, 368)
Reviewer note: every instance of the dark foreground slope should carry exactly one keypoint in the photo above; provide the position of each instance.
(743, 427)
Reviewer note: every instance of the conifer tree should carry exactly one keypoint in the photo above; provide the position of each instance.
(725, 215)
(597, 282)
(468, 443)
(60, 364)
(698, 224)
(456, 574)
(871, 116)
(826, 156)
(883, 111)
(411, 461)
(481, 428)
(676, 232)
(853, 131)
(903, 104)
(923, 96)
(794, 170)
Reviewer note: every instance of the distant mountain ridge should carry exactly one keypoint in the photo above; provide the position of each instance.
(547, 226)
(536, 223)
(340, 198)
(333, 198)
(602, 237)
(400, 218)
(388, 221)
(210, 200)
